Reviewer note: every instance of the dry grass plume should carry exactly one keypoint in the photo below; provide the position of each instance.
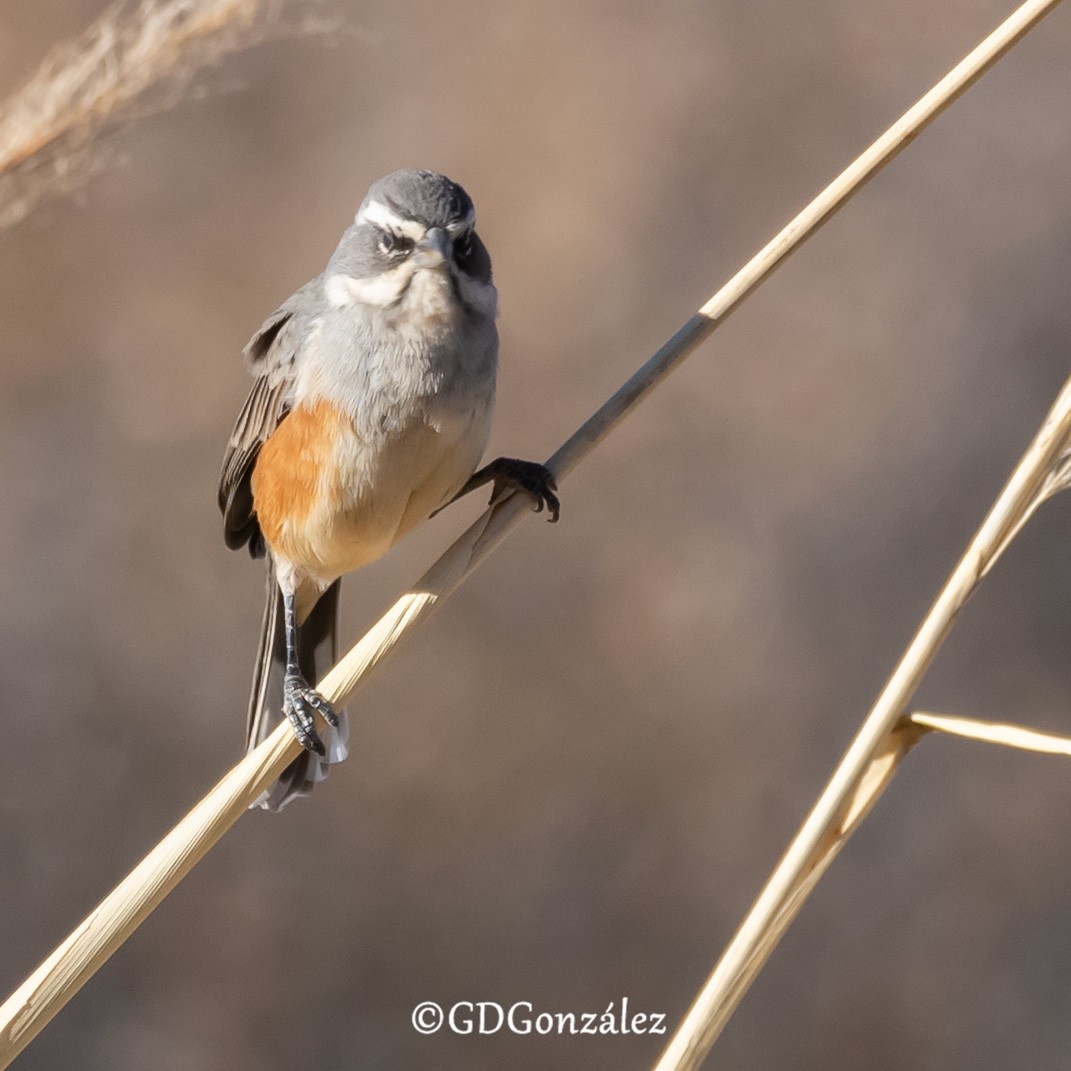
(137, 59)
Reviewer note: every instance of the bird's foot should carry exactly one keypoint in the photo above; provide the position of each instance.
(534, 479)
(301, 704)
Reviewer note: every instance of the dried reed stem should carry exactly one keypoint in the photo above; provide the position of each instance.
(872, 758)
(34, 1003)
(993, 732)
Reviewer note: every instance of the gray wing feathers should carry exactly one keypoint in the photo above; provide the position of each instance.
(270, 352)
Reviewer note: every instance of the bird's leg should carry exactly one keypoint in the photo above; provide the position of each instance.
(509, 473)
(301, 702)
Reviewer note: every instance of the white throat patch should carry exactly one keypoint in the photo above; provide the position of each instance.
(379, 291)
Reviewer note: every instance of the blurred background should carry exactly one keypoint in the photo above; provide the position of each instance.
(568, 787)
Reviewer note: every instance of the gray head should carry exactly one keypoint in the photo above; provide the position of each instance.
(422, 197)
(412, 222)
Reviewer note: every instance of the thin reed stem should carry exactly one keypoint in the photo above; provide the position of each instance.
(870, 760)
(993, 732)
(35, 1002)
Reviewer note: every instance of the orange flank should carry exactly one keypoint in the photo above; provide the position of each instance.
(288, 479)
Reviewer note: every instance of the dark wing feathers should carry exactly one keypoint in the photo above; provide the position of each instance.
(271, 353)
(256, 349)
(260, 416)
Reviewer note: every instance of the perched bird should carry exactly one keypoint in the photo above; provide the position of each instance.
(370, 409)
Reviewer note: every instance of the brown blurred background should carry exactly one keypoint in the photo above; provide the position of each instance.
(568, 787)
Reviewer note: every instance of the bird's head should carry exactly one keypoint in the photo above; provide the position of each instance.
(409, 223)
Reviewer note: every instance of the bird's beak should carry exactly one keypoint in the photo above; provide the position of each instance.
(433, 249)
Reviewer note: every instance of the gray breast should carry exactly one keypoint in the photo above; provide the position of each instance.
(389, 367)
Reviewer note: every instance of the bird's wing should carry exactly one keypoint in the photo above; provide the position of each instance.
(271, 353)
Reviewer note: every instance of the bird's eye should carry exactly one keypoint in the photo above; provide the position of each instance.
(463, 248)
(395, 245)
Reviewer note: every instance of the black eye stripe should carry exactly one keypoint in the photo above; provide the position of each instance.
(463, 248)
(470, 256)
(467, 258)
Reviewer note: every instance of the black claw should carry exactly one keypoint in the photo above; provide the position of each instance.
(310, 741)
(306, 735)
(301, 702)
(512, 474)
(325, 709)
(530, 477)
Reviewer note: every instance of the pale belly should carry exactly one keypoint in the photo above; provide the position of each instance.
(329, 502)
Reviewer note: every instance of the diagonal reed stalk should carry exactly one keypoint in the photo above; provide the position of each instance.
(41, 996)
(874, 755)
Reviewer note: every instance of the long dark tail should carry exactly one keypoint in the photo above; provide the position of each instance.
(317, 652)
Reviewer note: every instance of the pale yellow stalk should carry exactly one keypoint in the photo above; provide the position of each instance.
(993, 732)
(34, 1003)
(872, 758)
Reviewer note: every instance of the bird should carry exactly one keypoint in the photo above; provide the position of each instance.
(370, 409)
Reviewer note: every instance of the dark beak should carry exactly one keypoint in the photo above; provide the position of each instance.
(433, 249)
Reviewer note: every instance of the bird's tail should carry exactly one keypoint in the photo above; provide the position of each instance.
(317, 652)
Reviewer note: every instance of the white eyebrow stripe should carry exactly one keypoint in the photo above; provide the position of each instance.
(378, 214)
